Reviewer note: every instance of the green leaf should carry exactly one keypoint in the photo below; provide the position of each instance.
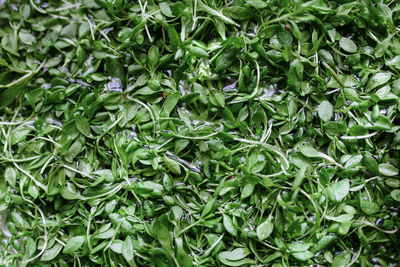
(169, 104)
(341, 260)
(356, 130)
(241, 262)
(369, 207)
(395, 194)
(26, 38)
(82, 124)
(382, 123)
(69, 192)
(257, 3)
(11, 176)
(183, 257)
(295, 75)
(378, 79)
(181, 145)
(19, 135)
(235, 255)
(325, 111)
(370, 163)
(351, 94)
(256, 162)
(80, 54)
(128, 251)
(52, 252)
(220, 98)
(340, 218)
(324, 242)
(348, 45)
(73, 244)
(215, 13)
(172, 165)
(303, 256)
(153, 55)
(11, 93)
(248, 190)
(208, 208)
(237, 12)
(228, 224)
(299, 177)
(298, 247)
(197, 51)
(30, 247)
(388, 169)
(162, 234)
(353, 162)
(285, 38)
(165, 9)
(309, 151)
(338, 191)
(265, 229)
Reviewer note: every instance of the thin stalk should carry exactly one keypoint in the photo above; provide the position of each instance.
(23, 78)
(77, 171)
(208, 251)
(326, 65)
(45, 233)
(194, 137)
(31, 177)
(20, 160)
(190, 226)
(358, 137)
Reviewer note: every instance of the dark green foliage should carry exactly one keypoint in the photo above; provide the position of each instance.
(199, 133)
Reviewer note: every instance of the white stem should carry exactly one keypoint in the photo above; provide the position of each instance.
(45, 233)
(345, 137)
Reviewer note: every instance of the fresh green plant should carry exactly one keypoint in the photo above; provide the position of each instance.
(199, 133)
